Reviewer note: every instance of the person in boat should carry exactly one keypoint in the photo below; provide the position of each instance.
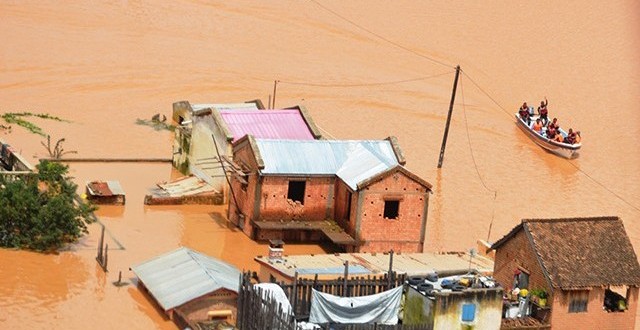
(578, 137)
(524, 113)
(543, 111)
(537, 126)
(554, 124)
(571, 137)
(558, 137)
(551, 133)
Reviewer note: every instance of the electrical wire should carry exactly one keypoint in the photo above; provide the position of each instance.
(394, 82)
(379, 36)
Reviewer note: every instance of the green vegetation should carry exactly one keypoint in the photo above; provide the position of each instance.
(57, 151)
(156, 125)
(42, 214)
(18, 119)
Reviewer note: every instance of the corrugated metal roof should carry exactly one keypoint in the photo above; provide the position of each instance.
(268, 124)
(378, 263)
(351, 160)
(220, 106)
(182, 275)
(115, 187)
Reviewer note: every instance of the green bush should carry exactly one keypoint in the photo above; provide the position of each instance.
(42, 214)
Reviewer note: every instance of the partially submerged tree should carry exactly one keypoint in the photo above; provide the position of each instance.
(57, 151)
(42, 214)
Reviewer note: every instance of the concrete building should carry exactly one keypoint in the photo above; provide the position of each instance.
(196, 152)
(355, 193)
(468, 308)
(586, 265)
(190, 287)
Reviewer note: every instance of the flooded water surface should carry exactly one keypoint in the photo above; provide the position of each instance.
(363, 70)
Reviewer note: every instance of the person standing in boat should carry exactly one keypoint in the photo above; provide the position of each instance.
(524, 113)
(543, 111)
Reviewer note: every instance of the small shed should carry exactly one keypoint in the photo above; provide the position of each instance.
(105, 192)
(190, 286)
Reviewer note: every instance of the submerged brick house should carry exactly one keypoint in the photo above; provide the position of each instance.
(189, 287)
(356, 194)
(195, 150)
(586, 265)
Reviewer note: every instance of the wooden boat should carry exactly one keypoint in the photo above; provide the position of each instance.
(559, 148)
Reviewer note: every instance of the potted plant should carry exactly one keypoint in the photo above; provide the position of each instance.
(542, 298)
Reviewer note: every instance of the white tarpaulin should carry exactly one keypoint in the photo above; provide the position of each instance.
(378, 308)
(275, 291)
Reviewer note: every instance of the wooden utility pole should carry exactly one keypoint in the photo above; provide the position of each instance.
(346, 276)
(446, 128)
(390, 273)
(275, 87)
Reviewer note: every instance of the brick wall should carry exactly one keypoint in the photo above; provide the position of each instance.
(196, 310)
(402, 234)
(517, 253)
(245, 196)
(318, 196)
(595, 317)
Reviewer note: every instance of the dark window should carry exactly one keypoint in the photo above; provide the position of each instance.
(578, 301)
(391, 209)
(296, 191)
(614, 301)
(468, 312)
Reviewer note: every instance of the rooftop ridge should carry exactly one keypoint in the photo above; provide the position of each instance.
(572, 219)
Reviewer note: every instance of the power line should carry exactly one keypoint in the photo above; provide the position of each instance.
(381, 37)
(487, 94)
(466, 125)
(394, 82)
(475, 164)
(602, 185)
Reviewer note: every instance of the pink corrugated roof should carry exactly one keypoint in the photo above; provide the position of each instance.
(267, 124)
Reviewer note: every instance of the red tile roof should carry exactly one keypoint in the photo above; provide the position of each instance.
(581, 252)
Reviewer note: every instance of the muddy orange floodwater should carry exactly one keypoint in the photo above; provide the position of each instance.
(373, 71)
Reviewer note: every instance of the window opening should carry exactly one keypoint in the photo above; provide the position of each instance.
(391, 209)
(296, 191)
(578, 301)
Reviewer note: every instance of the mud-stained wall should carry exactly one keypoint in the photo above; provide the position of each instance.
(403, 234)
(418, 309)
(488, 315)
(445, 312)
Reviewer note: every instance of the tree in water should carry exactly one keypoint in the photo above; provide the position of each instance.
(42, 214)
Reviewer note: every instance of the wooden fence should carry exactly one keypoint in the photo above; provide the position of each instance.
(299, 292)
(260, 311)
(257, 311)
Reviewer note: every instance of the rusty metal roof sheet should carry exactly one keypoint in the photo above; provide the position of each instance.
(105, 188)
(353, 161)
(182, 275)
(269, 124)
